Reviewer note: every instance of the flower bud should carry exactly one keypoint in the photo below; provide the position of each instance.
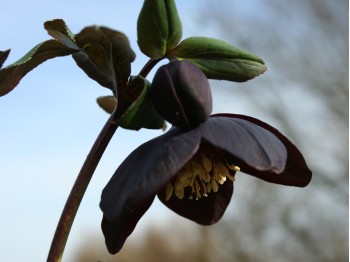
(159, 27)
(181, 94)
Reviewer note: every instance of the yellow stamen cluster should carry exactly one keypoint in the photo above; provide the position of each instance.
(206, 171)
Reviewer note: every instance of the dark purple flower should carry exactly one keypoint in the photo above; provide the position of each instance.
(192, 172)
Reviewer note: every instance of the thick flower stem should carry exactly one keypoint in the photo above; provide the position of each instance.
(149, 66)
(78, 190)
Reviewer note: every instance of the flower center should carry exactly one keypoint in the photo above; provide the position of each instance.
(206, 171)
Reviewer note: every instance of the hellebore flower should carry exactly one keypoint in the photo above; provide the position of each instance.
(192, 167)
(192, 172)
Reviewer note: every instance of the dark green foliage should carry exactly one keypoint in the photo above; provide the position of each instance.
(159, 27)
(220, 60)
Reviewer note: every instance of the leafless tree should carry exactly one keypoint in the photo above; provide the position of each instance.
(305, 94)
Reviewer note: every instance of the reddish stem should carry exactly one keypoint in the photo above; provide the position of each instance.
(72, 204)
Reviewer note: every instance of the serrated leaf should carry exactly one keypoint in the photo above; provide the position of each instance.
(3, 56)
(106, 56)
(220, 60)
(11, 75)
(158, 27)
(141, 113)
(58, 29)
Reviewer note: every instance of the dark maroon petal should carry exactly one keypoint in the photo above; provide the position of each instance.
(132, 188)
(247, 142)
(116, 232)
(206, 210)
(181, 94)
(146, 170)
(296, 171)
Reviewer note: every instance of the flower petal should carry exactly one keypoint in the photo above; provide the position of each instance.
(116, 232)
(296, 172)
(147, 169)
(206, 210)
(249, 143)
(287, 168)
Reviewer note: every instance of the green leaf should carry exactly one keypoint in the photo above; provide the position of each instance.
(219, 60)
(11, 75)
(3, 56)
(64, 45)
(106, 56)
(159, 27)
(107, 103)
(141, 113)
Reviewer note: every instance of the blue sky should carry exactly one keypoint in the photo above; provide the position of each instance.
(49, 123)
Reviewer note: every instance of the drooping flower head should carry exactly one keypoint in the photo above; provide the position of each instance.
(191, 168)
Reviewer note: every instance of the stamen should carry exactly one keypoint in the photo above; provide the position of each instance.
(206, 163)
(233, 167)
(232, 178)
(204, 174)
(169, 191)
(208, 187)
(180, 193)
(198, 189)
(214, 186)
